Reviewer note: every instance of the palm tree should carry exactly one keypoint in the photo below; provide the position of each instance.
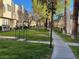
(75, 20)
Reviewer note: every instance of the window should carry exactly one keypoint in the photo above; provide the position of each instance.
(4, 8)
(9, 7)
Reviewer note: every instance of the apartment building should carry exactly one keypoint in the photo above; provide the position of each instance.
(20, 16)
(59, 23)
(16, 14)
(11, 15)
(69, 23)
(5, 14)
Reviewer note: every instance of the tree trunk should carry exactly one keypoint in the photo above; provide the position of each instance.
(75, 20)
(46, 24)
(64, 28)
(29, 23)
(37, 24)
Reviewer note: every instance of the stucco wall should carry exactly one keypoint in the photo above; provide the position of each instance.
(1, 21)
(6, 12)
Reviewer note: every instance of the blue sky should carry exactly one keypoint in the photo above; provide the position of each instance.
(26, 3)
(71, 5)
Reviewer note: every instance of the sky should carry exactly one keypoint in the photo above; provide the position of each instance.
(71, 5)
(26, 3)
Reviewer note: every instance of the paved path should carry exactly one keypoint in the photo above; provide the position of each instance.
(42, 35)
(61, 50)
(7, 37)
(47, 42)
(44, 42)
(72, 44)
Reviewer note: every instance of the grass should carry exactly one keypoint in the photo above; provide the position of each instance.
(30, 34)
(22, 50)
(66, 37)
(38, 35)
(76, 51)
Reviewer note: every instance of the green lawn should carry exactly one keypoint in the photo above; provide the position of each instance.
(76, 51)
(30, 34)
(22, 50)
(66, 37)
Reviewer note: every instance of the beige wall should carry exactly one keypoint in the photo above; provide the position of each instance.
(10, 11)
(1, 8)
(16, 11)
(1, 21)
(60, 23)
(7, 6)
(55, 23)
(1, 11)
(7, 12)
(33, 23)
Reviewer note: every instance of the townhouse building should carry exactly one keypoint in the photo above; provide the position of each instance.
(59, 23)
(5, 14)
(16, 14)
(10, 15)
(69, 22)
(20, 14)
(13, 19)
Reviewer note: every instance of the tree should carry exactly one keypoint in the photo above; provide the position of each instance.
(65, 18)
(40, 7)
(59, 7)
(75, 20)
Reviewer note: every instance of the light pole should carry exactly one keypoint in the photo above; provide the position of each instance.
(52, 8)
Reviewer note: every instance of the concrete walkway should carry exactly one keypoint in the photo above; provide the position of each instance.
(43, 42)
(72, 44)
(61, 50)
(7, 37)
(47, 42)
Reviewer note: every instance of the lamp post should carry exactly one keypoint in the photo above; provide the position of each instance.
(52, 8)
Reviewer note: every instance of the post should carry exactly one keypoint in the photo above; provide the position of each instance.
(51, 27)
